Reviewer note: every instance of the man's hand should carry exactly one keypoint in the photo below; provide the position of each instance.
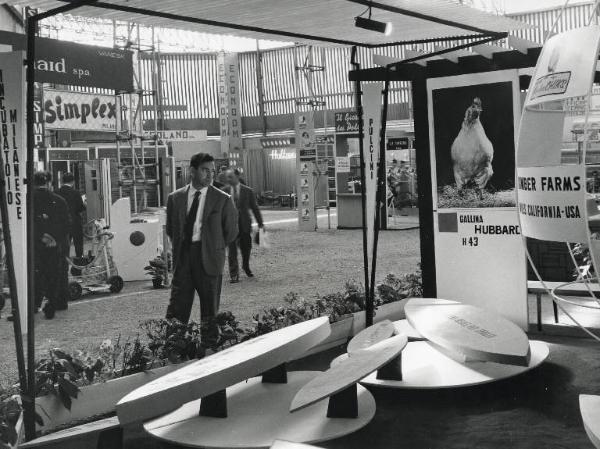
(49, 241)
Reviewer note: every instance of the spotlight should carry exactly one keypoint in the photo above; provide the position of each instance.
(373, 25)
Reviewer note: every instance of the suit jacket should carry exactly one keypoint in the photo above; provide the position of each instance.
(74, 201)
(51, 216)
(244, 204)
(219, 226)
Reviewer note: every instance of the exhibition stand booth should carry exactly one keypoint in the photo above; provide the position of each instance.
(467, 115)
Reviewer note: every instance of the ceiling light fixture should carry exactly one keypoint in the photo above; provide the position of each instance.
(372, 25)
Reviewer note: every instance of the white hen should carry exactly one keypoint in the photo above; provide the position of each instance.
(472, 152)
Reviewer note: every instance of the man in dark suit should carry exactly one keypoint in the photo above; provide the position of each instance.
(245, 201)
(76, 208)
(201, 222)
(50, 228)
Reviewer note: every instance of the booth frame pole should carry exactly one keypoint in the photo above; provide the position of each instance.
(380, 194)
(32, 23)
(369, 306)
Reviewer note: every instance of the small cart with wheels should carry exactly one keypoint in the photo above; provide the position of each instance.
(95, 273)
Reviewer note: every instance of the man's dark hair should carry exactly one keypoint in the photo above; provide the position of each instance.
(68, 177)
(41, 178)
(200, 158)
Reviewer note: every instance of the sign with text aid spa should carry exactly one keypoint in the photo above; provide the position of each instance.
(67, 63)
(554, 196)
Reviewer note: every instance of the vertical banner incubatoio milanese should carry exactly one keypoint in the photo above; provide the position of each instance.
(371, 138)
(12, 116)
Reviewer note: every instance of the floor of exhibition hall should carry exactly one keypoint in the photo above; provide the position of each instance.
(535, 410)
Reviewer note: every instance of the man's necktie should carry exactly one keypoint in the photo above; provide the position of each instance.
(191, 218)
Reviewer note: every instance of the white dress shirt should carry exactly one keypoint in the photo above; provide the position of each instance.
(197, 230)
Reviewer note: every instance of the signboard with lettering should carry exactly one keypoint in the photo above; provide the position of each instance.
(79, 111)
(398, 143)
(178, 135)
(372, 94)
(67, 63)
(479, 254)
(564, 68)
(68, 154)
(14, 155)
(346, 122)
(552, 202)
(230, 119)
(306, 156)
(342, 164)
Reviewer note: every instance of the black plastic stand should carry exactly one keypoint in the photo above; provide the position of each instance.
(214, 405)
(277, 375)
(344, 404)
(391, 371)
(110, 439)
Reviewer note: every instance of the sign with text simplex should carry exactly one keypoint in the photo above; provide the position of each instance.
(67, 63)
(12, 116)
(79, 111)
(552, 202)
(372, 94)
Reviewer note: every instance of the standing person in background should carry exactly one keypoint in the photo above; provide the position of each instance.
(50, 228)
(76, 208)
(201, 222)
(245, 201)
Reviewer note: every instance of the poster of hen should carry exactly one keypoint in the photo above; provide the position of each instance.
(479, 255)
(474, 140)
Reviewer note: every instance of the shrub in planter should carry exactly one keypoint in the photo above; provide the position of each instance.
(396, 288)
(220, 331)
(170, 340)
(158, 269)
(341, 304)
(10, 410)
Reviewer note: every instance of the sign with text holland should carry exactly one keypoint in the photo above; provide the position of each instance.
(371, 138)
(79, 111)
(12, 116)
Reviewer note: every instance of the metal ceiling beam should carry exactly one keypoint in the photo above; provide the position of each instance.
(417, 15)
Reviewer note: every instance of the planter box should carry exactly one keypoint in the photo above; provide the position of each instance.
(96, 399)
(341, 331)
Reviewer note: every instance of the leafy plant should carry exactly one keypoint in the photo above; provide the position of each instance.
(158, 268)
(396, 288)
(57, 375)
(9, 415)
(340, 304)
(170, 340)
(220, 331)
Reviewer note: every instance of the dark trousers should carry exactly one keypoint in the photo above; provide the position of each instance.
(49, 268)
(244, 242)
(76, 235)
(190, 278)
